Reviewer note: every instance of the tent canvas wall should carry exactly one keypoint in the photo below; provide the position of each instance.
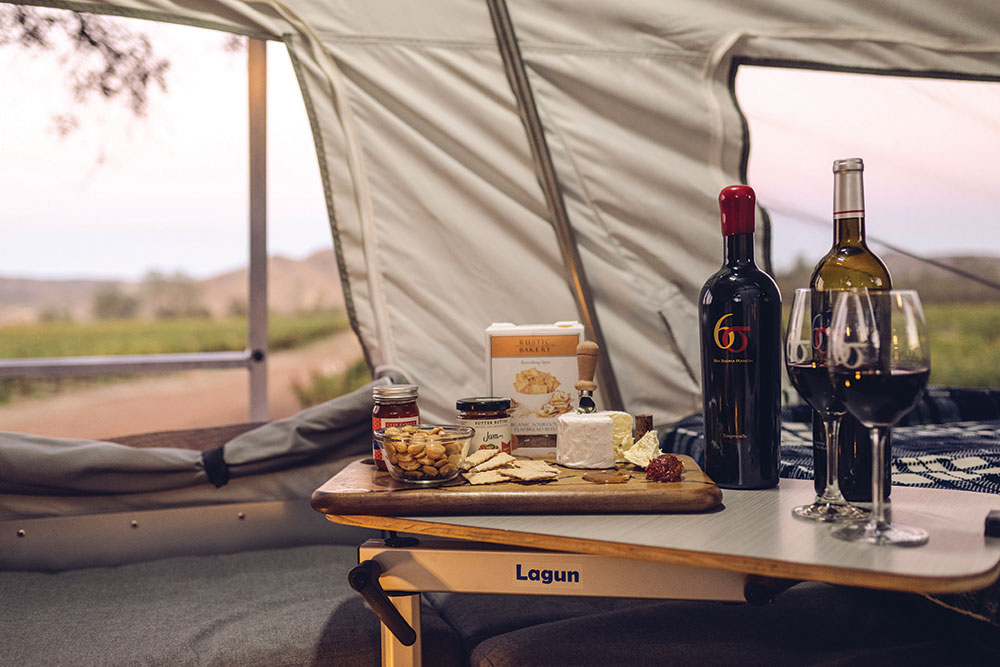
(462, 146)
(439, 187)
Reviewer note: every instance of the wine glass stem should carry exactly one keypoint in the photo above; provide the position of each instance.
(880, 508)
(832, 492)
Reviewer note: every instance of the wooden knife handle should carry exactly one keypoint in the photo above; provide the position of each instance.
(586, 364)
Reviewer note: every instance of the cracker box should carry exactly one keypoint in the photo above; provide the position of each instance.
(535, 365)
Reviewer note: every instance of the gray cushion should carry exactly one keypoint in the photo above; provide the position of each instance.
(479, 617)
(810, 624)
(293, 607)
(273, 607)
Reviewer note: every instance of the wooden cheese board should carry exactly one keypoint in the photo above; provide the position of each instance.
(362, 489)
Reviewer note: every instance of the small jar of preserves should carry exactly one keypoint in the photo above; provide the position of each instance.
(395, 405)
(490, 417)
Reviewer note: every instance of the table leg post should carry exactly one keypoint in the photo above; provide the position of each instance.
(394, 654)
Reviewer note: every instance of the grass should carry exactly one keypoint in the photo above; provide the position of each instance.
(113, 337)
(965, 344)
(118, 337)
(324, 386)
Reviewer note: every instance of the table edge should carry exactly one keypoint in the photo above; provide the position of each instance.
(743, 564)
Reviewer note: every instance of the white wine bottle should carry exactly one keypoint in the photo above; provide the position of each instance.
(849, 263)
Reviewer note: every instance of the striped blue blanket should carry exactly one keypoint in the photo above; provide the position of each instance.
(950, 440)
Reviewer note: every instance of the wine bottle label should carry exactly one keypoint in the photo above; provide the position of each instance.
(821, 335)
(731, 342)
(732, 339)
(822, 309)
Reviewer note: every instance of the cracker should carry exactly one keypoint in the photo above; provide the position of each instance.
(488, 477)
(479, 456)
(527, 474)
(535, 465)
(495, 461)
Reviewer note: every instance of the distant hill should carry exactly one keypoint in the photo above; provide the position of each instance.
(314, 283)
(25, 299)
(935, 285)
(293, 286)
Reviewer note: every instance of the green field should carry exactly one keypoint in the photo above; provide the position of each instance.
(67, 339)
(965, 344)
(116, 337)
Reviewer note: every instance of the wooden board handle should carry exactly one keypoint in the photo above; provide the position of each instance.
(586, 364)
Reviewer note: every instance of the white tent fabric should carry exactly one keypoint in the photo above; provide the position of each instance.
(439, 221)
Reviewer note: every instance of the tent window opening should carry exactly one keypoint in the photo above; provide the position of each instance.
(135, 224)
(932, 151)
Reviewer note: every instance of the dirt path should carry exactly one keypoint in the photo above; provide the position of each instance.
(190, 399)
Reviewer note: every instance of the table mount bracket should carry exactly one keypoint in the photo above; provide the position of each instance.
(391, 539)
(761, 591)
(364, 579)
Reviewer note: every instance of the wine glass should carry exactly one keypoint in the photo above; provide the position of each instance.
(805, 360)
(879, 359)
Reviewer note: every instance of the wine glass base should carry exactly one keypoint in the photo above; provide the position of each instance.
(826, 512)
(880, 534)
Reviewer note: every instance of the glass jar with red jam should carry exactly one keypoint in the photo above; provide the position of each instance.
(490, 417)
(395, 405)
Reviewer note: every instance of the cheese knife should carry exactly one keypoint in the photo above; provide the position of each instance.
(586, 364)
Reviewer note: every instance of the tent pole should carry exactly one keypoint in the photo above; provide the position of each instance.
(517, 75)
(257, 335)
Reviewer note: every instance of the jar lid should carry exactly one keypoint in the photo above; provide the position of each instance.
(395, 391)
(482, 404)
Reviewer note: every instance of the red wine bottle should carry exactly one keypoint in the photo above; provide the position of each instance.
(740, 328)
(849, 263)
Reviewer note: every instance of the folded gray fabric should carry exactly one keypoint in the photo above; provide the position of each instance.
(32, 464)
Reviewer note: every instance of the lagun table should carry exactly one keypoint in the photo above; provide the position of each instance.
(750, 547)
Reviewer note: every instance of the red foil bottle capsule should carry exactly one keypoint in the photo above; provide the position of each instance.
(395, 405)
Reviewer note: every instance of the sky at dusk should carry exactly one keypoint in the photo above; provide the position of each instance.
(931, 150)
(122, 195)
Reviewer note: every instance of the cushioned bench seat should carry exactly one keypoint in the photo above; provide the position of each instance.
(809, 624)
(293, 607)
(267, 607)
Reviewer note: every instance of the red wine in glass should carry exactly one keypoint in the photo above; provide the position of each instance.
(813, 384)
(879, 362)
(877, 397)
(805, 361)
